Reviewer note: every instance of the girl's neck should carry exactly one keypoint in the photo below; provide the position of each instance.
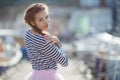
(37, 31)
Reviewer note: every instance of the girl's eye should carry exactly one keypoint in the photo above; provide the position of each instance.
(40, 20)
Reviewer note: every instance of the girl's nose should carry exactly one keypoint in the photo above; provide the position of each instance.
(47, 21)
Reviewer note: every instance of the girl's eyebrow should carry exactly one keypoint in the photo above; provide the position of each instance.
(39, 18)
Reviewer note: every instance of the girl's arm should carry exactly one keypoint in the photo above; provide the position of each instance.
(55, 54)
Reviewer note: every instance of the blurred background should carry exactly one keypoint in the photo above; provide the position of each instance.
(88, 29)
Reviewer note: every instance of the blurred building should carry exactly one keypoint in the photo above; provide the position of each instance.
(96, 3)
(114, 5)
(93, 16)
(117, 8)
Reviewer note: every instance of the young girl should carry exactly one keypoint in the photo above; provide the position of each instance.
(42, 47)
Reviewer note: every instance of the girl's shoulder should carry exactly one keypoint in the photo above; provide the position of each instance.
(28, 31)
(34, 36)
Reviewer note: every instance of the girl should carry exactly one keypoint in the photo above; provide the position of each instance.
(43, 48)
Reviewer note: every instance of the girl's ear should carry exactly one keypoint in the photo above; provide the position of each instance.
(32, 23)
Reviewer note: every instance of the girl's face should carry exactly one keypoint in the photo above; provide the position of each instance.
(41, 20)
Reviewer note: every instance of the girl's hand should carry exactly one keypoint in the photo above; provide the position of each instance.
(52, 39)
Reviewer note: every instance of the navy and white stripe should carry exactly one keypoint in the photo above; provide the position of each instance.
(43, 55)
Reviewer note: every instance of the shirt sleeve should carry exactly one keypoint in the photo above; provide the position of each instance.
(55, 53)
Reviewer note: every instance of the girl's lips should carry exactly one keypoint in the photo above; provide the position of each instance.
(46, 26)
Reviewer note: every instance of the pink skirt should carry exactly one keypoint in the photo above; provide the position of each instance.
(44, 75)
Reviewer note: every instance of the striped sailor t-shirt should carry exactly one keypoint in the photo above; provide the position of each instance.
(42, 54)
